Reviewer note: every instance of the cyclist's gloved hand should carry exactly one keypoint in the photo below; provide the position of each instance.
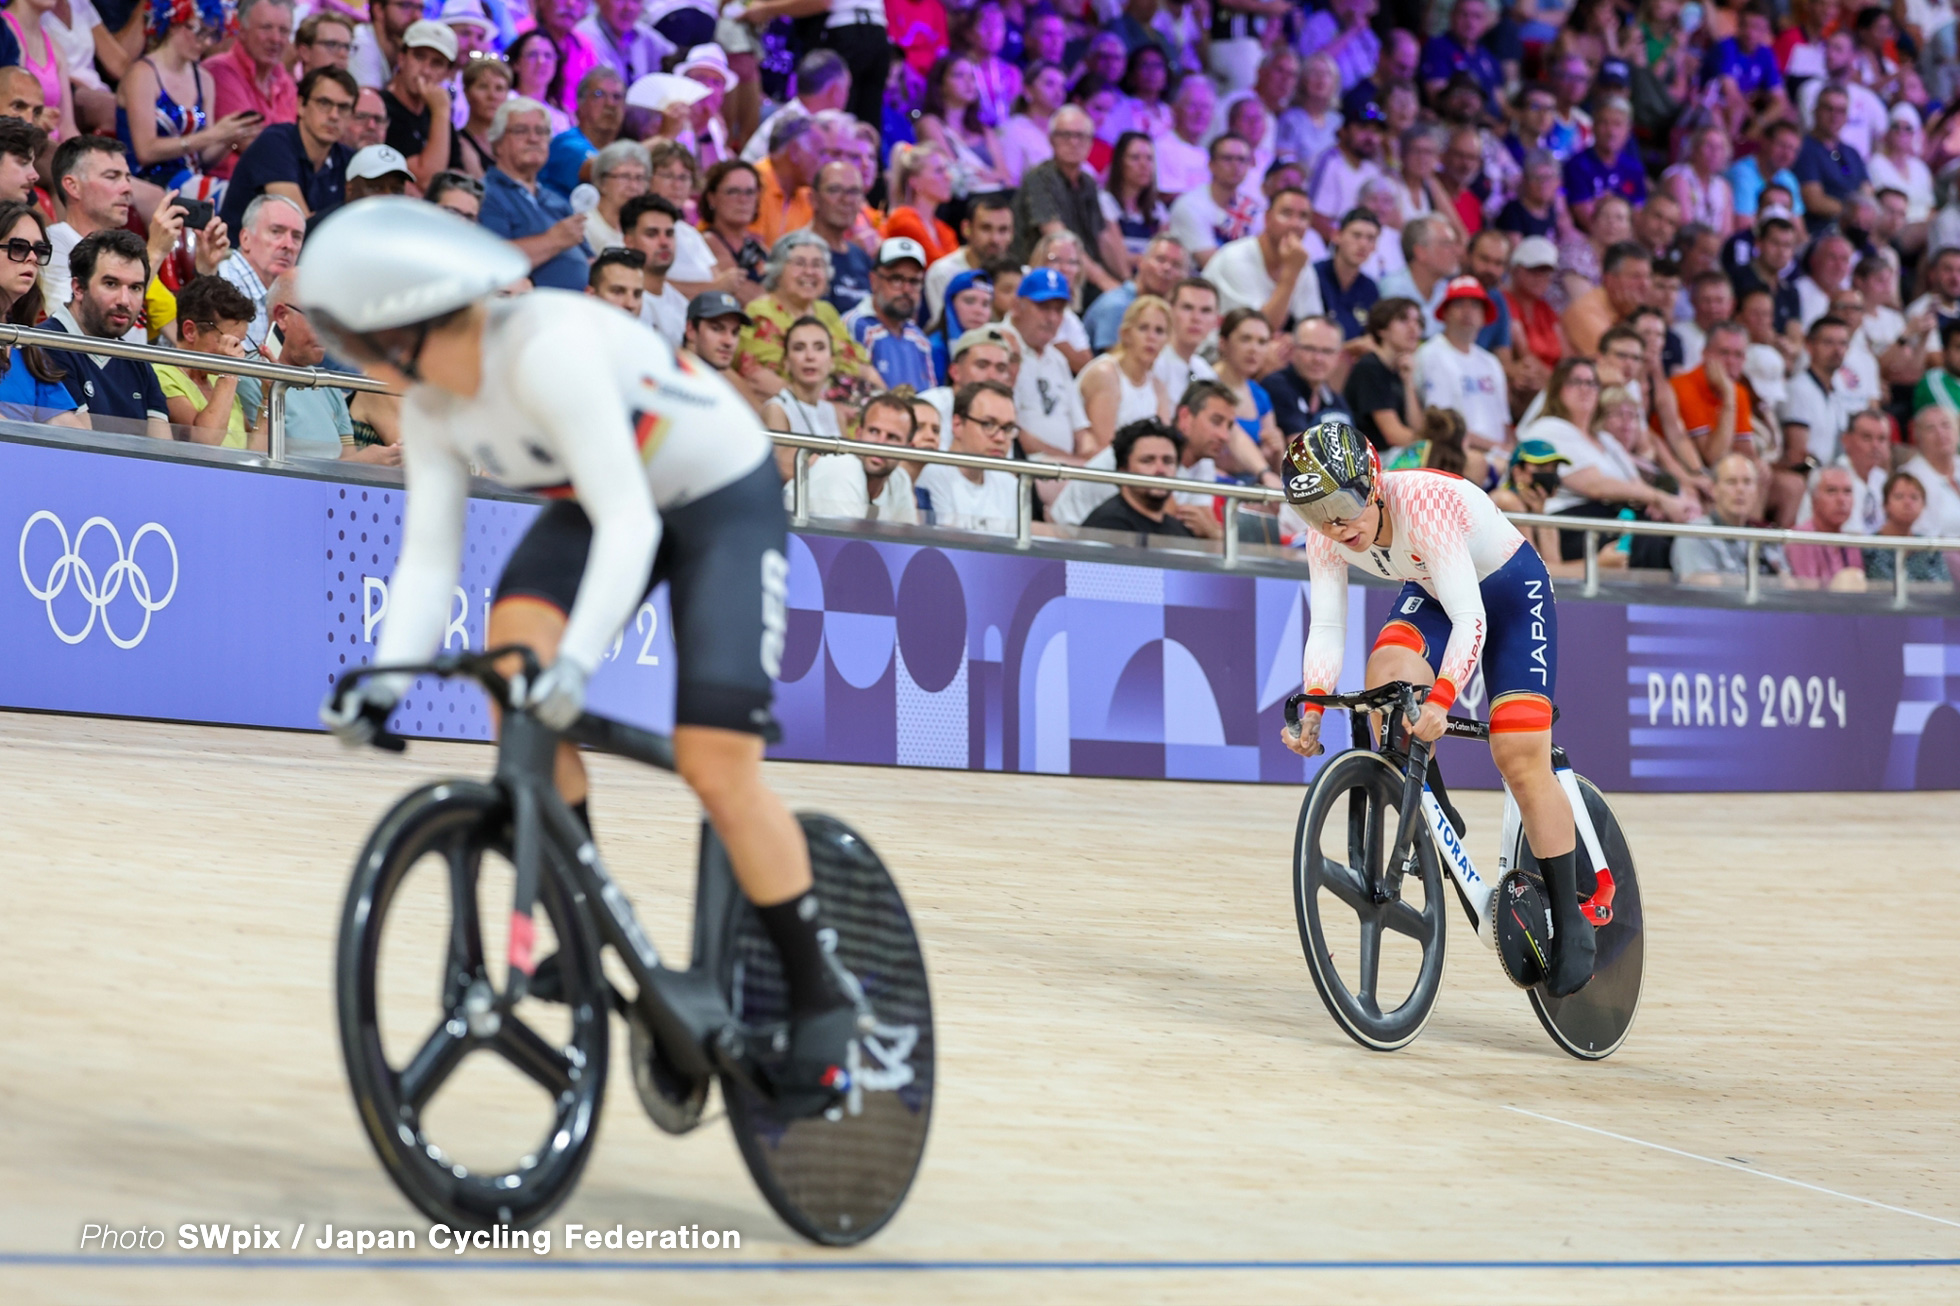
(360, 714)
(558, 696)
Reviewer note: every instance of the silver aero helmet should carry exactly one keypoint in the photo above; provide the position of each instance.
(1331, 472)
(379, 274)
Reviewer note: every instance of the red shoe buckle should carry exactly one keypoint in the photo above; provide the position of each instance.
(1599, 907)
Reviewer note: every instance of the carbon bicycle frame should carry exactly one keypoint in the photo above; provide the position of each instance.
(684, 1008)
(1418, 794)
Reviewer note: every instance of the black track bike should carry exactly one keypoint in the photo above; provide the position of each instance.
(501, 1138)
(1377, 839)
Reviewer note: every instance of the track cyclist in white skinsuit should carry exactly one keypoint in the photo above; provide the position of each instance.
(1475, 591)
(660, 472)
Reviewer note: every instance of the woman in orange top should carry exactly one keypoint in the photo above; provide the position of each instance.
(921, 182)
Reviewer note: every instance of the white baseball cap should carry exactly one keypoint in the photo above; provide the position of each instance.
(377, 161)
(1535, 252)
(466, 13)
(899, 248)
(431, 36)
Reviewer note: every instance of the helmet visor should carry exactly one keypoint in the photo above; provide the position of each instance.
(1341, 505)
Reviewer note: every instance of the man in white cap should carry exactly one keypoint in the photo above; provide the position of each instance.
(417, 99)
(886, 322)
(707, 135)
(475, 30)
(377, 170)
(250, 77)
(1536, 334)
(1453, 371)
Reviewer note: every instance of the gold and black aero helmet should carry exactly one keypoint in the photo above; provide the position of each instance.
(1331, 471)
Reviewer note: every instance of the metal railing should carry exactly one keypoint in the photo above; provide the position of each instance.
(1234, 495)
(279, 374)
(282, 376)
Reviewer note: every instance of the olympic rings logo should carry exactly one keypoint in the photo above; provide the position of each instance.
(124, 570)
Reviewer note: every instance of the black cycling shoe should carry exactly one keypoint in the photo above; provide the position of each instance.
(547, 985)
(816, 1075)
(1573, 945)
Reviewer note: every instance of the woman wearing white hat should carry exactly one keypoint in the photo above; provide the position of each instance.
(1896, 165)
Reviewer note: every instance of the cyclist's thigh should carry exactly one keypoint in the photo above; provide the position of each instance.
(548, 564)
(727, 570)
(1521, 650)
(1416, 627)
(549, 561)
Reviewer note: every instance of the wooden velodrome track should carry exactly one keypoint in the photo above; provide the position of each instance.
(1141, 1097)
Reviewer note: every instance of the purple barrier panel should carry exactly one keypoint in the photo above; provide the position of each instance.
(160, 589)
(126, 599)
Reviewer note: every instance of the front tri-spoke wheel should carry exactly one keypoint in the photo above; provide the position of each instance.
(479, 1115)
(1372, 933)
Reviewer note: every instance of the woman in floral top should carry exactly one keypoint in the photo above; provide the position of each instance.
(794, 284)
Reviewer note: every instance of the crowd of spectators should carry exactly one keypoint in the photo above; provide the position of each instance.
(1621, 259)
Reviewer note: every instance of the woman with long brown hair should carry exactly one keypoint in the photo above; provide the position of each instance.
(31, 388)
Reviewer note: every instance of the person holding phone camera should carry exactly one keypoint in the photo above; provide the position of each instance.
(167, 100)
(251, 76)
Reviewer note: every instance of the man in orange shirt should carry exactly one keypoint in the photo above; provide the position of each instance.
(786, 176)
(1715, 409)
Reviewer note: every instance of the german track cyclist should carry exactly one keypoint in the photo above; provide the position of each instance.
(659, 471)
(1475, 591)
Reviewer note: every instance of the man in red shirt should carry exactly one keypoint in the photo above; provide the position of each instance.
(250, 76)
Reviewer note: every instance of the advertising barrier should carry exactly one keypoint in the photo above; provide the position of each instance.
(152, 588)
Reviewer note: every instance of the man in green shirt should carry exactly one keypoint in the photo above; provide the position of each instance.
(1941, 385)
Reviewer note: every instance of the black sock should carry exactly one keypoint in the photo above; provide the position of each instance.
(1562, 882)
(582, 809)
(793, 927)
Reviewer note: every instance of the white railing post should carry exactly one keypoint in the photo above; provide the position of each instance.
(799, 512)
(1592, 564)
(275, 426)
(1752, 584)
(1023, 510)
(1231, 523)
(1899, 577)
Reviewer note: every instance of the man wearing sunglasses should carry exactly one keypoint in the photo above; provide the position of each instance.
(301, 161)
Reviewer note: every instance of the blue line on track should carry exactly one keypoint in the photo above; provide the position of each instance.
(110, 1260)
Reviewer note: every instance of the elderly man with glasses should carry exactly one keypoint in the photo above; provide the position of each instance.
(1061, 195)
(515, 206)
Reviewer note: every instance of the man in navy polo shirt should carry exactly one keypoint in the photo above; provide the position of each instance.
(1346, 292)
(1610, 167)
(1457, 51)
(1829, 170)
(304, 160)
(535, 218)
(111, 269)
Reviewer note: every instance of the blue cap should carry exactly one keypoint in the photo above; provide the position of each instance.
(1043, 285)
